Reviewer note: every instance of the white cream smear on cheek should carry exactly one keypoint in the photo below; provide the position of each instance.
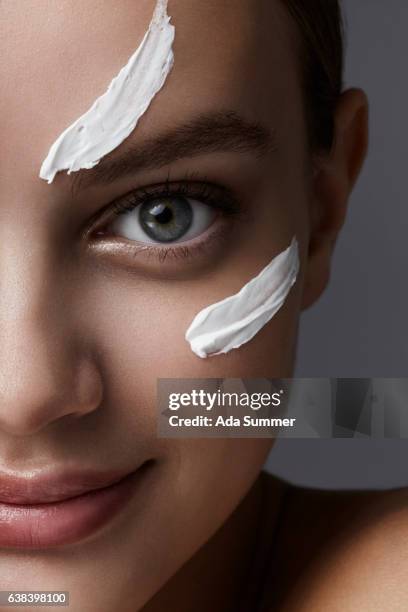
(115, 114)
(232, 322)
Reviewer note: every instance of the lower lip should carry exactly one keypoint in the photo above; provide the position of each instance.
(66, 522)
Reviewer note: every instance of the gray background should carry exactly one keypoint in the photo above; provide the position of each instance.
(358, 328)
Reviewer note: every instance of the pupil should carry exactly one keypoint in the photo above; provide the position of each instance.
(165, 215)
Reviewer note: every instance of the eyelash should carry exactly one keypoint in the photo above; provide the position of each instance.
(214, 195)
(210, 193)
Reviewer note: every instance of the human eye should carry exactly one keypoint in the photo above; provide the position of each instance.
(177, 220)
(160, 219)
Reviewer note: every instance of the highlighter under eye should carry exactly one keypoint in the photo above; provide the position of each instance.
(182, 251)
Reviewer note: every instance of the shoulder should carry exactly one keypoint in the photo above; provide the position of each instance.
(343, 551)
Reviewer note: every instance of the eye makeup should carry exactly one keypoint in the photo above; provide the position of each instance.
(115, 114)
(232, 322)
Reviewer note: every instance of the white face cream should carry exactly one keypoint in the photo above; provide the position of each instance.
(115, 114)
(228, 324)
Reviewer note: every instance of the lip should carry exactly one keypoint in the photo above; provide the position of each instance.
(47, 510)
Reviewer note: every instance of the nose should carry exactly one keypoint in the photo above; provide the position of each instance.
(46, 371)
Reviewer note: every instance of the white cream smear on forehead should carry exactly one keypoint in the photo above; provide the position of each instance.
(232, 322)
(115, 114)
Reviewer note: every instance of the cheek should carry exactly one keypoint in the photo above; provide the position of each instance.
(214, 469)
(137, 330)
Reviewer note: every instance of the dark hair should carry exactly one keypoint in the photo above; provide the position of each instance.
(322, 59)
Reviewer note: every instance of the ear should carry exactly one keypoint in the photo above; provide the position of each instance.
(334, 176)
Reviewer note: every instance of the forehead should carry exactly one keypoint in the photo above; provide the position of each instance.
(58, 56)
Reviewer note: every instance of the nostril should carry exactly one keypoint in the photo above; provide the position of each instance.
(89, 387)
(29, 404)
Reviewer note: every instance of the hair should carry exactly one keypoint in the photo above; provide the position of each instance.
(322, 62)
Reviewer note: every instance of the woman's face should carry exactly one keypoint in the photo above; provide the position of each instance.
(89, 319)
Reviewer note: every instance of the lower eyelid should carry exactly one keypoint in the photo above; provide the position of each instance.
(191, 254)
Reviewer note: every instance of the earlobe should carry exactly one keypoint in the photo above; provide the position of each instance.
(333, 180)
(317, 274)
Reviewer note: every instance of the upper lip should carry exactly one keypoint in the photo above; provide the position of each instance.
(45, 487)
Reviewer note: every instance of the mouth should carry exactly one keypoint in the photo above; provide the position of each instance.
(44, 511)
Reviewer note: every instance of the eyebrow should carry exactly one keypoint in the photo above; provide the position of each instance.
(206, 133)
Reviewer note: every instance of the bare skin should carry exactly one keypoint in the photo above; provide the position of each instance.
(88, 324)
